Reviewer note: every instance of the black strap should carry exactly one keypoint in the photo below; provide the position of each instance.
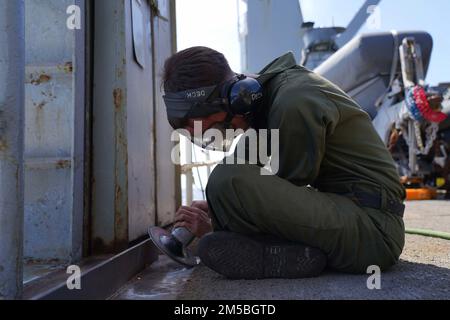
(375, 201)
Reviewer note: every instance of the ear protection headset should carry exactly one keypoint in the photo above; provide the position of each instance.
(239, 96)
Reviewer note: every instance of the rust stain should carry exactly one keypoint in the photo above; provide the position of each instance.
(118, 193)
(121, 140)
(48, 94)
(39, 119)
(121, 177)
(120, 241)
(68, 67)
(63, 164)
(117, 94)
(43, 78)
(41, 105)
(3, 145)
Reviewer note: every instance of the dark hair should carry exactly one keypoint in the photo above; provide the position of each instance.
(194, 68)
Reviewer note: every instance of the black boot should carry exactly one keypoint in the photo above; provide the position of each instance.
(242, 257)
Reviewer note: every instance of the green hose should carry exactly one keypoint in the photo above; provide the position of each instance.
(429, 233)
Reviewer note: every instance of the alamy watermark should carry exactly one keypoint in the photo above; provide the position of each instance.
(74, 280)
(374, 280)
(253, 146)
(74, 19)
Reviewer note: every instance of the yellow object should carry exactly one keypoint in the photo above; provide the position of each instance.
(440, 182)
(421, 194)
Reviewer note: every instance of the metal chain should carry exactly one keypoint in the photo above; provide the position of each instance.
(431, 133)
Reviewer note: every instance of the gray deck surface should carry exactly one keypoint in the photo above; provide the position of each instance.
(422, 273)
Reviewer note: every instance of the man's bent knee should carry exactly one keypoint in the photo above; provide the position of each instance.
(223, 195)
(222, 177)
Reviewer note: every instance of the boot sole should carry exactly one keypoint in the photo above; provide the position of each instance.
(240, 257)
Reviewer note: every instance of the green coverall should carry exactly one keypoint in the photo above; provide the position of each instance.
(328, 146)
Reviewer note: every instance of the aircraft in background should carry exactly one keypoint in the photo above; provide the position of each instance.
(384, 72)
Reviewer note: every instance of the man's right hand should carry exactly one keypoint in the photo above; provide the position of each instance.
(195, 218)
(202, 205)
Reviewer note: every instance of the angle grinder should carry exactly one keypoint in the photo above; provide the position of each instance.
(175, 244)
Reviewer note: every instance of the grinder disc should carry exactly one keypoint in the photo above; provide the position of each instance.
(171, 247)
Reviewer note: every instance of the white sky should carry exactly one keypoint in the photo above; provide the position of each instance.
(210, 23)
